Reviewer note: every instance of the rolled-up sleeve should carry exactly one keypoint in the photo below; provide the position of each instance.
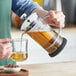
(24, 6)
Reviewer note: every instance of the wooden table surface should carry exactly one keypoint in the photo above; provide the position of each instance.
(52, 69)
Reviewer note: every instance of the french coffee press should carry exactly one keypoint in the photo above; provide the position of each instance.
(44, 34)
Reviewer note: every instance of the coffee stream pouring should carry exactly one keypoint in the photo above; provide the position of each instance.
(43, 34)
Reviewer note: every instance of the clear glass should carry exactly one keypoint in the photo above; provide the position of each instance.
(45, 35)
(20, 51)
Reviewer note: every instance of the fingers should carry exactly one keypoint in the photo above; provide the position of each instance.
(56, 18)
(8, 54)
(60, 17)
(5, 40)
(51, 15)
(7, 45)
(5, 50)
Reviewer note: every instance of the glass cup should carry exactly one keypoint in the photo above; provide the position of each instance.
(20, 50)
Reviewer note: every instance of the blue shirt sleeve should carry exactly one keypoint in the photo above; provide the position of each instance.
(23, 6)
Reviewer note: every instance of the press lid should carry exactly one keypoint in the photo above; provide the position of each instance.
(29, 20)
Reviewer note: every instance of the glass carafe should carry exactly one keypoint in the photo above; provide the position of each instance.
(44, 34)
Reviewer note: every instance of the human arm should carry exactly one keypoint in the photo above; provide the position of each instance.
(55, 18)
(24, 6)
(5, 48)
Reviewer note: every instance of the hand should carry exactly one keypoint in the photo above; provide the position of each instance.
(5, 48)
(55, 18)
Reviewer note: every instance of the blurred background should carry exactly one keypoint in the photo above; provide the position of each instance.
(36, 53)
